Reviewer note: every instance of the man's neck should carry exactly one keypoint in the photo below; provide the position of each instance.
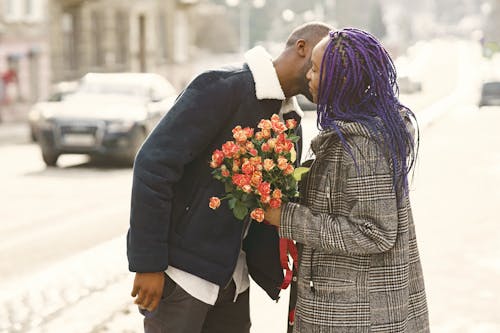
(287, 81)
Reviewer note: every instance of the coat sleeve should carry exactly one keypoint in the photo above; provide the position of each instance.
(196, 118)
(369, 222)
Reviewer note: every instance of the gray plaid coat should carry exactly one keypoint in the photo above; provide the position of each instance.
(359, 269)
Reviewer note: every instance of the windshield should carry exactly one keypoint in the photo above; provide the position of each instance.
(114, 88)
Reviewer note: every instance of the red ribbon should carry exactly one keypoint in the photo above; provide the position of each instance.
(287, 246)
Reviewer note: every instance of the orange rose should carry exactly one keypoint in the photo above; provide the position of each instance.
(264, 188)
(224, 171)
(275, 118)
(277, 194)
(248, 132)
(265, 124)
(275, 203)
(289, 170)
(265, 199)
(268, 164)
(257, 214)
(282, 163)
(291, 123)
(265, 147)
(259, 136)
(279, 127)
(272, 143)
(266, 134)
(247, 168)
(247, 188)
(230, 149)
(256, 178)
(217, 159)
(214, 203)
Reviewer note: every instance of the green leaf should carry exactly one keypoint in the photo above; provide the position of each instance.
(232, 203)
(240, 211)
(299, 172)
(294, 138)
(228, 187)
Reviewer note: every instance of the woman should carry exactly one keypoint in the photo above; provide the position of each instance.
(359, 269)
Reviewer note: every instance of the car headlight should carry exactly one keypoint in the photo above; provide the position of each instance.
(120, 126)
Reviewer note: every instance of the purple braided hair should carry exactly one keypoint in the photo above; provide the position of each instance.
(358, 84)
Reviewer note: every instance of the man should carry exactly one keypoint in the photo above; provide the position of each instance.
(172, 229)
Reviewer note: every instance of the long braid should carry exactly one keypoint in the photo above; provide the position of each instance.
(358, 84)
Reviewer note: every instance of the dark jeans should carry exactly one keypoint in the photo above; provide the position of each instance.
(179, 312)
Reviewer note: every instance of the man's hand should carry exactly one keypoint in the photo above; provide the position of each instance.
(273, 216)
(148, 287)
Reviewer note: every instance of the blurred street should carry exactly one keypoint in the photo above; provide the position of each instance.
(62, 232)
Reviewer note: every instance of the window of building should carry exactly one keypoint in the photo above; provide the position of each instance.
(97, 35)
(122, 37)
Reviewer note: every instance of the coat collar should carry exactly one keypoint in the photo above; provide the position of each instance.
(267, 84)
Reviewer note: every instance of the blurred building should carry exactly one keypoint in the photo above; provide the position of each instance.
(120, 35)
(24, 51)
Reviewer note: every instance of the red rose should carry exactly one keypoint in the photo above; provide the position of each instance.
(264, 188)
(291, 123)
(230, 149)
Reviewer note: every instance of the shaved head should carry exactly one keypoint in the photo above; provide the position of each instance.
(311, 32)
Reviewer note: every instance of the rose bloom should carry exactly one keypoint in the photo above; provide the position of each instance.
(237, 129)
(268, 164)
(288, 145)
(224, 171)
(277, 194)
(265, 199)
(266, 134)
(265, 124)
(236, 165)
(214, 203)
(230, 149)
(275, 118)
(253, 152)
(264, 188)
(279, 148)
(240, 137)
(248, 132)
(249, 145)
(271, 143)
(259, 136)
(247, 188)
(289, 170)
(257, 178)
(241, 180)
(247, 168)
(291, 123)
(257, 214)
(282, 163)
(275, 203)
(279, 127)
(265, 147)
(218, 157)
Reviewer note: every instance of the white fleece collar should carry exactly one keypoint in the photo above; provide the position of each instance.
(267, 84)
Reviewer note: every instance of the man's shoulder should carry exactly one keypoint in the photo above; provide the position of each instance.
(231, 75)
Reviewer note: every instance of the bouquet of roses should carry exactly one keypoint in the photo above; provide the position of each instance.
(257, 168)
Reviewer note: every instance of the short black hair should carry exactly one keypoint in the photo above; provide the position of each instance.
(308, 31)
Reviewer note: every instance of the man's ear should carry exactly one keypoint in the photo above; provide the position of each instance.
(300, 48)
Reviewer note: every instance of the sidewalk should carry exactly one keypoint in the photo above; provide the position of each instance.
(14, 127)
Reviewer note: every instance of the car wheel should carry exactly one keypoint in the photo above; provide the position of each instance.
(50, 157)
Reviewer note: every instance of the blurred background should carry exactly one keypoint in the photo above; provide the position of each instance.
(83, 82)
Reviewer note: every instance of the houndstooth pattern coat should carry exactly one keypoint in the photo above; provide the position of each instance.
(359, 269)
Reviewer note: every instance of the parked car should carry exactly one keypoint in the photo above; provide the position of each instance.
(408, 86)
(490, 93)
(109, 116)
(58, 93)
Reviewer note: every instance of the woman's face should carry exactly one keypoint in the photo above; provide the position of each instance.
(314, 72)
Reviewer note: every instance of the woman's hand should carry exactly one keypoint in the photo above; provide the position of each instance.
(273, 216)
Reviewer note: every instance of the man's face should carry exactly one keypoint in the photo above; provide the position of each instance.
(313, 73)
